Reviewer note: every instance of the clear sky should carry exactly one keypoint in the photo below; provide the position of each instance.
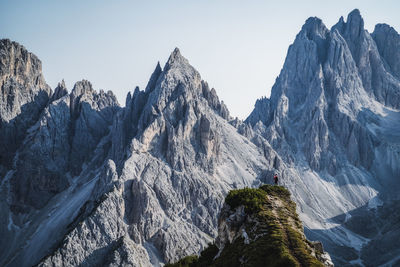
(237, 46)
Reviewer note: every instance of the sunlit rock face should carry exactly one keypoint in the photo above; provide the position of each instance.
(259, 227)
(97, 184)
(23, 95)
(87, 182)
(333, 116)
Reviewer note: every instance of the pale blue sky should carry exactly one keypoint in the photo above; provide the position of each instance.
(237, 46)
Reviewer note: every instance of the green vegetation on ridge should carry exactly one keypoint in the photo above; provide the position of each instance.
(273, 228)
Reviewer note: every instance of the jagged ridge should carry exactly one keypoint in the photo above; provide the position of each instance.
(161, 167)
(260, 227)
(333, 116)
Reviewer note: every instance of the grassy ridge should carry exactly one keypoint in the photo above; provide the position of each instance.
(274, 230)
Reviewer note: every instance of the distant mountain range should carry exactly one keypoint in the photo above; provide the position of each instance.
(84, 181)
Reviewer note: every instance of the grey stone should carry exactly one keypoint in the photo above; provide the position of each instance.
(95, 184)
(333, 114)
(85, 182)
(24, 94)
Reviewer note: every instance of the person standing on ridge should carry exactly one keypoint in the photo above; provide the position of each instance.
(276, 179)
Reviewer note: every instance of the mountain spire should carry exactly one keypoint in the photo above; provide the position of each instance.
(153, 78)
(176, 59)
(60, 91)
(354, 24)
(314, 27)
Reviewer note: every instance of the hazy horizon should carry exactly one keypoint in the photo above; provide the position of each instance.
(238, 49)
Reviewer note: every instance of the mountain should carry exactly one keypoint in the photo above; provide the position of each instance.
(334, 119)
(95, 184)
(24, 93)
(259, 227)
(84, 181)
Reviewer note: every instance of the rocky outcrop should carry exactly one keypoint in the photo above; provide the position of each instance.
(213, 101)
(96, 184)
(103, 232)
(42, 163)
(60, 91)
(259, 227)
(377, 77)
(58, 145)
(54, 145)
(182, 156)
(387, 40)
(329, 117)
(85, 182)
(92, 114)
(24, 94)
(260, 112)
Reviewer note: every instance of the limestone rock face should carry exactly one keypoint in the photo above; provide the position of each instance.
(42, 163)
(86, 182)
(92, 113)
(24, 94)
(260, 112)
(96, 184)
(60, 91)
(55, 148)
(181, 157)
(49, 140)
(333, 116)
(388, 42)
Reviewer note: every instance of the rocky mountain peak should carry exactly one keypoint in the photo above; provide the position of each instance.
(84, 94)
(354, 23)
(23, 95)
(176, 57)
(22, 69)
(342, 93)
(82, 87)
(179, 68)
(95, 184)
(17, 61)
(385, 28)
(339, 26)
(153, 78)
(176, 85)
(314, 27)
(387, 40)
(175, 104)
(62, 84)
(60, 91)
(354, 33)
